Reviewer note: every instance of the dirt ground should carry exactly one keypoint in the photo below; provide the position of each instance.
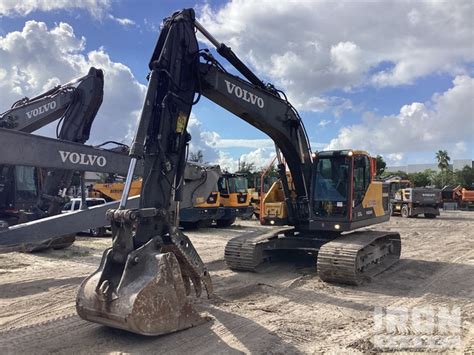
(283, 309)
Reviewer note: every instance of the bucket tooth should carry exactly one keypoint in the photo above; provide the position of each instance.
(148, 297)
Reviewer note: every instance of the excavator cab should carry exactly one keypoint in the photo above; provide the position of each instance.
(19, 186)
(346, 195)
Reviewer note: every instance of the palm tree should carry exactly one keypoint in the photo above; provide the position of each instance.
(443, 163)
(443, 159)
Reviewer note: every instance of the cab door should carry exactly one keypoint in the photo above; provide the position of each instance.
(361, 177)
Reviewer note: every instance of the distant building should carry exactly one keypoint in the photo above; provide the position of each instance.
(417, 168)
(458, 164)
(461, 163)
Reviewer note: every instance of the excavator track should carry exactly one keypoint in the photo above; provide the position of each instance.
(245, 252)
(357, 257)
(349, 259)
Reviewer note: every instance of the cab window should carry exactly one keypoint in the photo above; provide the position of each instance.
(238, 184)
(25, 180)
(331, 178)
(67, 206)
(361, 177)
(222, 186)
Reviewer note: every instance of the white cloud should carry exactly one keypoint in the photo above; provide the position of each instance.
(200, 140)
(394, 159)
(122, 21)
(36, 58)
(460, 149)
(324, 123)
(260, 157)
(312, 47)
(96, 8)
(346, 57)
(214, 147)
(445, 121)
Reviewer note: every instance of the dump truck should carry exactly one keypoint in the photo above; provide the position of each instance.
(408, 201)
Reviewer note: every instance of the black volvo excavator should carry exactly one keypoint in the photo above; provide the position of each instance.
(75, 104)
(28, 193)
(145, 278)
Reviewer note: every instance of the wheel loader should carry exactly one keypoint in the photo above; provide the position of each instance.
(145, 280)
(235, 198)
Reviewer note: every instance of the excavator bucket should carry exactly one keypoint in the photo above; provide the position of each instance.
(148, 297)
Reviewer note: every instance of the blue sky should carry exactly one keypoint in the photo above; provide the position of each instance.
(349, 86)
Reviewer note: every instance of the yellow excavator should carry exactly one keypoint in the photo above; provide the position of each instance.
(273, 210)
(145, 280)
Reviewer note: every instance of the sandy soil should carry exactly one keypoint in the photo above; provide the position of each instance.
(283, 309)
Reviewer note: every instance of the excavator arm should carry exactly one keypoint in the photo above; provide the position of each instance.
(81, 97)
(75, 105)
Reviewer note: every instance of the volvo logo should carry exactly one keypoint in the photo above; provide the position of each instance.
(42, 109)
(244, 94)
(83, 159)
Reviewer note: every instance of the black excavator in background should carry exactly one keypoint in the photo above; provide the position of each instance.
(28, 193)
(144, 280)
(34, 169)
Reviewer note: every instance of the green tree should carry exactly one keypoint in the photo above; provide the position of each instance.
(422, 179)
(465, 177)
(250, 170)
(443, 164)
(196, 157)
(443, 159)
(380, 165)
(245, 167)
(443, 178)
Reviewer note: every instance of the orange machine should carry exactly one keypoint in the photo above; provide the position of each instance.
(463, 197)
(113, 191)
(235, 198)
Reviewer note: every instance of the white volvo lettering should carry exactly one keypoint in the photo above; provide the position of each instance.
(42, 109)
(83, 159)
(244, 94)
